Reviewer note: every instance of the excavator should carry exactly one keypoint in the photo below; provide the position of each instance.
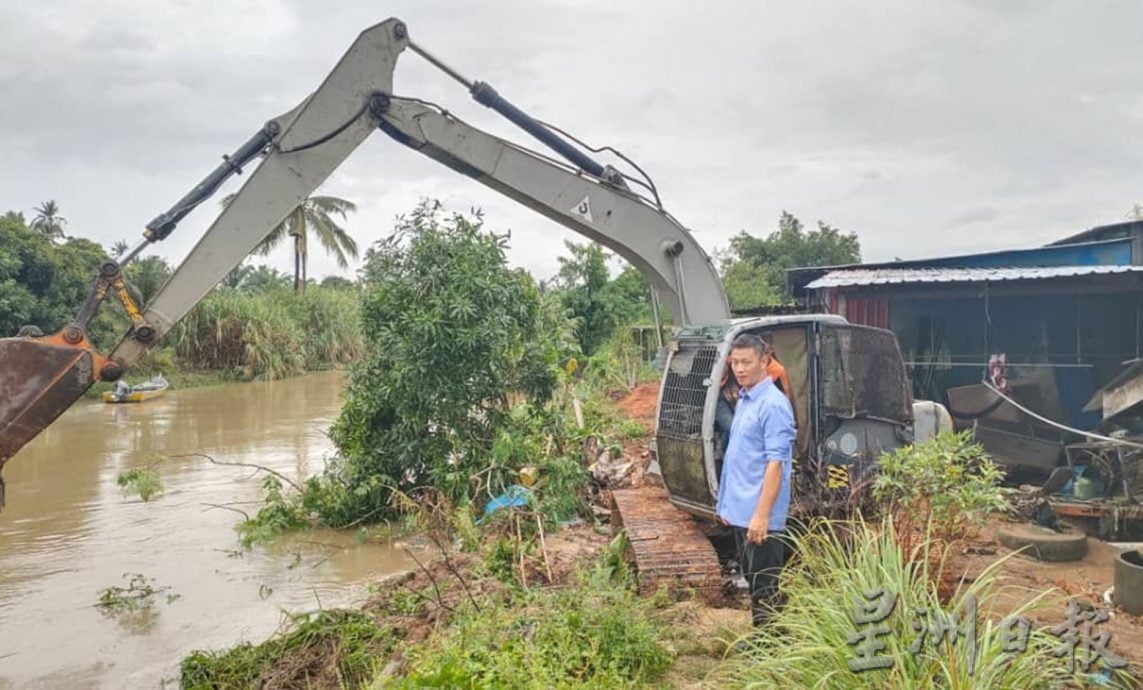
(852, 396)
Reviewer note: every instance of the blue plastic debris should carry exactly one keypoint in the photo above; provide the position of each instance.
(514, 497)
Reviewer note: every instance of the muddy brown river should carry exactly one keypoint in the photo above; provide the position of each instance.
(69, 532)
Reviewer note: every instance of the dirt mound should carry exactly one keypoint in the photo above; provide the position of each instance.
(640, 403)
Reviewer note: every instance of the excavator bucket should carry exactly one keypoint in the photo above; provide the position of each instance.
(39, 379)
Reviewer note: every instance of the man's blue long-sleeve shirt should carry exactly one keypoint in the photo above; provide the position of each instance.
(762, 432)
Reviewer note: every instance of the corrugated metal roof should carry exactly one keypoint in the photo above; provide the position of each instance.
(894, 276)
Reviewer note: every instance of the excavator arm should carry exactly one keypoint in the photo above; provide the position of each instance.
(40, 377)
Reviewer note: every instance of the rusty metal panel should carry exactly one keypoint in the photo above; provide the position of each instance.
(38, 381)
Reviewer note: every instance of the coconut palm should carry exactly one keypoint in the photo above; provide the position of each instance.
(119, 248)
(48, 221)
(317, 214)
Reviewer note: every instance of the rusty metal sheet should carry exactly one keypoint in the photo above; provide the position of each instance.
(667, 544)
(39, 379)
(1125, 392)
(1096, 509)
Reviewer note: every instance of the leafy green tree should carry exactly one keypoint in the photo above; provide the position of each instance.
(599, 304)
(629, 298)
(754, 268)
(147, 275)
(264, 278)
(451, 332)
(582, 281)
(337, 282)
(236, 277)
(317, 215)
(48, 221)
(44, 284)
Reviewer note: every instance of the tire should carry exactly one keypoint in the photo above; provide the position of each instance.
(1129, 582)
(1042, 543)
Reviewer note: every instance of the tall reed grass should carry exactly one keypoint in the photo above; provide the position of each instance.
(271, 334)
(808, 642)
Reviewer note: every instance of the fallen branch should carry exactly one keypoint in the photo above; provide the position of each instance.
(263, 468)
(243, 513)
(452, 569)
(432, 580)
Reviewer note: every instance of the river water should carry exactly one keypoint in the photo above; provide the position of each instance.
(69, 532)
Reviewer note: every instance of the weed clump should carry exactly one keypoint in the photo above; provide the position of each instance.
(143, 482)
(594, 633)
(139, 594)
(333, 648)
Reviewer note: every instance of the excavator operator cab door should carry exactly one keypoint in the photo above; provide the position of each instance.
(849, 391)
(688, 442)
(864, 408)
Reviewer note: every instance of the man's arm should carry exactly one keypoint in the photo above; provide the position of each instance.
(771, 482)
(777, 449)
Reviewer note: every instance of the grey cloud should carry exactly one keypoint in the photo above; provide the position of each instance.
(1012, 123)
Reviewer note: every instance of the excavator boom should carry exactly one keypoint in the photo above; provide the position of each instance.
(40, 377)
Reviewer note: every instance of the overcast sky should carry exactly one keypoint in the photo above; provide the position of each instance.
(927, 128)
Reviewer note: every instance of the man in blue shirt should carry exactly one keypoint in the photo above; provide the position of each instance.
(754, 490)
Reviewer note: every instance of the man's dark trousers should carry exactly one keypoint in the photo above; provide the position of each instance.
(761, 565)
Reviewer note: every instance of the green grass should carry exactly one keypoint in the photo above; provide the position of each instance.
(595, 633)
(807, 643)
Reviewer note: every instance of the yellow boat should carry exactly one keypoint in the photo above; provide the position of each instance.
(148, 390)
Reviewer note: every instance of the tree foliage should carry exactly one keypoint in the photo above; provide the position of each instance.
(44, 284)
(599, 304)
(48, 222)
(147, 275)
(451, 333)
(754, 268)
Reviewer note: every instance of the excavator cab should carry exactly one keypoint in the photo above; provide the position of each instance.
(852, 402)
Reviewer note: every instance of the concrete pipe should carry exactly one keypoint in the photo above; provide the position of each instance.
(1129, 582)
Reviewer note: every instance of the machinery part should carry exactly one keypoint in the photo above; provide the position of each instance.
(663, 251)
(1044, 544)
(40, 378)
(930, 419)
(667, 545)
(301, 148)
(1129, 582)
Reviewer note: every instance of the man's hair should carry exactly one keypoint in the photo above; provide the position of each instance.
(752, 341)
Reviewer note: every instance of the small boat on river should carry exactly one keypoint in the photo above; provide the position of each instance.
(148, 390)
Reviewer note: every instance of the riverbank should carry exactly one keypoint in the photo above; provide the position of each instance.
(491, 610)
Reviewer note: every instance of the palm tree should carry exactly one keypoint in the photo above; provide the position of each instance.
(119, 248)
(48, 221)
(237, 276)
(264, 278)
(147, 275)
(316, 214)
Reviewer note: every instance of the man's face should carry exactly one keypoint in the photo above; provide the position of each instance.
(747, 365)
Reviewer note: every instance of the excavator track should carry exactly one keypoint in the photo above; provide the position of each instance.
(667, 544)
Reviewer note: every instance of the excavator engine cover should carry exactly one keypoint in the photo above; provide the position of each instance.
(39, 379)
